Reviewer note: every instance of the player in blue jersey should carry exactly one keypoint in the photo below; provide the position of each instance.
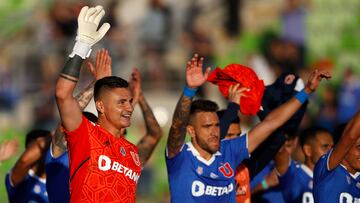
(203, 169)
(26, 180)
(57, 166)
(337, 173)
(295, 179)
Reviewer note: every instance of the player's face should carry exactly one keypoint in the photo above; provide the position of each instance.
(233, 131)
(353, 156)
(207, 131)
(322, 144)
(117, 107)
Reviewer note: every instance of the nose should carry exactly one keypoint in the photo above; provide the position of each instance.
(129, 107)
(215, 131)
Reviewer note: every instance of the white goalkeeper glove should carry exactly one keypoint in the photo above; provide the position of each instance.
(87, 34)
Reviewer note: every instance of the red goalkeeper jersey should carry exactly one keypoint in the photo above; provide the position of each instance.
(103, 168)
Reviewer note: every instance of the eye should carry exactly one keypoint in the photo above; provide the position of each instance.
(122, 101)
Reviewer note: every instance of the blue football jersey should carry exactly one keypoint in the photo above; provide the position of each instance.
(57, 177)
(194, 179)
(31, 189)
(335, 186)
(297, 184)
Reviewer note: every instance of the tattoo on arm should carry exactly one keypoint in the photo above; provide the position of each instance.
(177, 131)
(153, 132)
(59, 140)
(83, 99)
(71, 70)
(85, 95)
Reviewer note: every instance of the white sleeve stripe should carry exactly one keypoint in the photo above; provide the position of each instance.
(10, 181)
(327, 160)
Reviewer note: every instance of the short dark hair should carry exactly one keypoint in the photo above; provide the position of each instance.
(109, 82)
(90, 116)
(32, 135)
(235, 120)
(310, 133)
(202, 105)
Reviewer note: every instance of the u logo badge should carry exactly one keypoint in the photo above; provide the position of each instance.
(226, 170)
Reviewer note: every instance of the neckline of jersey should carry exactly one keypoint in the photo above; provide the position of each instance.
(195, 152)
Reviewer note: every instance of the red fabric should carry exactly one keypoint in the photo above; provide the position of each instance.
(111, 173)
(242, 179)
(236, 73)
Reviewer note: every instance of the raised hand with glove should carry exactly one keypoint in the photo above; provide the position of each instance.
(88, 33)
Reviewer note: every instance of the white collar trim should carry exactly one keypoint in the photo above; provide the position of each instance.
(192, 149)
(307, 170)
(32, 174)
(357, 174)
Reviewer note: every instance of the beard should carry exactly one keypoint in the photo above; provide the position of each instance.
(205, 146)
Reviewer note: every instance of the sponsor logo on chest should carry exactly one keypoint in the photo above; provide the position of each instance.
(106, 164)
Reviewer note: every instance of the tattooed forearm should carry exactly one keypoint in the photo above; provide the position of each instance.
(177, 131)
(153, 132)
(152, 126)
(85, 95)
(146, 147)
(59, 140)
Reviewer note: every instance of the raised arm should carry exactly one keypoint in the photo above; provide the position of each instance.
(8, 149)
(280, 115)
(153, 133)
(102, 68)
(87, 36)
(282, 160)
(231, 113)
(348, 139)
(33, 153)
(194, 79)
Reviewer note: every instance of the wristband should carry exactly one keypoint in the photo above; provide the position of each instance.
(189, 92)
(81, 49)
(264, 184)
(302, 96)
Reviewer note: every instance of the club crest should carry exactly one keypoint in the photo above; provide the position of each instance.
(199, 170)
(122, 151)
(136, 158)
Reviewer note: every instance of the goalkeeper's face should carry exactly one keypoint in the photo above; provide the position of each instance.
(115, 106)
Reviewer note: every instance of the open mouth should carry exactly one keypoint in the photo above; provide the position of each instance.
(126, 116)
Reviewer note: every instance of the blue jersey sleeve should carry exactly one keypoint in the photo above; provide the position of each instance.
(321, 169)
(288, 179)
(174, 164)
(237, 147)
(62, 159)
(9, 187)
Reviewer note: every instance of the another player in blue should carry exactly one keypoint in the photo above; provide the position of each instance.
(203, 169)
(26, 181)
(296, 180)
(337, 174)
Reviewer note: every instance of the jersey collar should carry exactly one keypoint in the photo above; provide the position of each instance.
(307, 170)
(355, 176)
(192, 149)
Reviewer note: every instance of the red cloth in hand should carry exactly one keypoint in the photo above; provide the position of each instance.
(236, 73)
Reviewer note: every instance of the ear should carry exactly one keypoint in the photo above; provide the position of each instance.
(307, 150)
(99, 106)
(190, 130)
